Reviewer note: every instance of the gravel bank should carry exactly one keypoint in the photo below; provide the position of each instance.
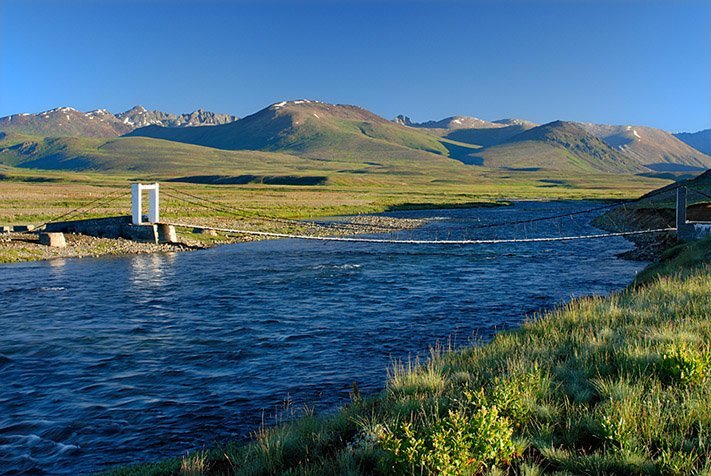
(19, 247)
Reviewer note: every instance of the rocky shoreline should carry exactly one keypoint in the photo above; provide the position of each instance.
(647, 247)
(23, 247)
(20, 247)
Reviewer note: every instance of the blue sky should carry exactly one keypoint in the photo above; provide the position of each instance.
(642, 62)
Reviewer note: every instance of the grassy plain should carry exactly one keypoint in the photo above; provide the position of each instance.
(33, 196)
(602, 385)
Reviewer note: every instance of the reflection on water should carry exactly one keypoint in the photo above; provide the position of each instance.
(115, 360)
(57, 263)
(149, 270)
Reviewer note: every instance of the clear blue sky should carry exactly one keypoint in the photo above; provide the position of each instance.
(628, 61)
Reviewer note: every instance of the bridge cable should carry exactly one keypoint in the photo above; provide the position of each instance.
(437, 241)
(419, 242)
(486, 225)
(83, 208)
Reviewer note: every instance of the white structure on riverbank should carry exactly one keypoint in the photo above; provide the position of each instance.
(153, 203)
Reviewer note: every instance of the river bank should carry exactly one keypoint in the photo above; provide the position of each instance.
(616, 384)
(23, 247)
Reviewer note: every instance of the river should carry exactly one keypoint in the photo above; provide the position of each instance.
(118, 360)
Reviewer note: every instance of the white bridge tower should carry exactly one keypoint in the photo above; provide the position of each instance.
(153, 203)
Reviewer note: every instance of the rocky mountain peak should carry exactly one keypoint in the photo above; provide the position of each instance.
(403, 120)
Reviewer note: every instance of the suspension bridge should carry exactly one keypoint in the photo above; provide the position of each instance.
(152, 227)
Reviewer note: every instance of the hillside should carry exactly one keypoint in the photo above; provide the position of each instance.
(68, 122)
(136, 154)
(654, 149)
(700, 141)
(312, 129)
(148, 157)
(657, 209)
(657, 149)
(558, 145)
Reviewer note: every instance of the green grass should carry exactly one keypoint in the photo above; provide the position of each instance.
(683, 259)
(602, 385)
(549, 156)
(32, 196)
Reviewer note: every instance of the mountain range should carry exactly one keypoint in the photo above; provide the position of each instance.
(332, 132)
(698, 140)
(654, 149)
(69, 122)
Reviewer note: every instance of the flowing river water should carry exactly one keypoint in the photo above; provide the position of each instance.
(116, 360)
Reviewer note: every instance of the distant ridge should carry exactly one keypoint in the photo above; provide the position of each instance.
(558, 145)
(698, 140)
(657, 149)
(69, 122)
(450, 123)
(471, 130)
(138, 116)
(65, 121)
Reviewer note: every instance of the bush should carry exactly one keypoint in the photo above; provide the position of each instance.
(680, 365)
(468, 439)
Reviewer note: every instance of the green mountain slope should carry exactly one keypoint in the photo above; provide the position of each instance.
(329, 137)
(145, 157)
(559, 145)
(312, 129)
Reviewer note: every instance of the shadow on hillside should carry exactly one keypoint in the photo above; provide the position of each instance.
(251, 179)
(470, 159)
(668, 167)
(457, 152)
(17, 178)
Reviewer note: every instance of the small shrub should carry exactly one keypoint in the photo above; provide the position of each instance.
(615, 431)
(465, 441)
(681, 365)
(515, 396)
